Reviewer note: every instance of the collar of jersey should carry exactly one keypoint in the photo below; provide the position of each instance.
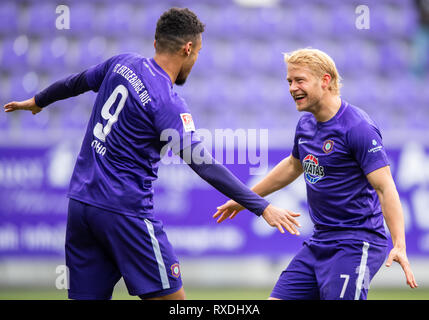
(336, 116)
(159, 70)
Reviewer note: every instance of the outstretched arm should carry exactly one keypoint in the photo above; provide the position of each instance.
(224, 181)
(382, 181)
(61, 89)
(68, 87)
(29, 105)
(282, 175)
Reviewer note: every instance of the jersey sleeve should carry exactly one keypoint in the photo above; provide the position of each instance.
(174, 121)
(224, 181)
(367, 147)
(96, 74)
(62, 89)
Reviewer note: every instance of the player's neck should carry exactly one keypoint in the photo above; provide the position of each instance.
(169, 64)
(328, 108)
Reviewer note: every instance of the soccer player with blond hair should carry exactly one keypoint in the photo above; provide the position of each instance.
(350, 190)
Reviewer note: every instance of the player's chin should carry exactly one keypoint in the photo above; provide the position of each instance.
(180, 81)
(301, 105)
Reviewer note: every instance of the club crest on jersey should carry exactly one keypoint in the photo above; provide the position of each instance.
(188, 123)
(175, 270)
(328, 146)
(313, 172)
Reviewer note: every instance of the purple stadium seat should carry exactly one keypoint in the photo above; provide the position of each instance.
(132, 44)
(17, 91)
(394, 57)
(139, 22)
(52, 54)
(41, 121)
(230, 22)
(419, 86)
(82, 18)
(115, 18)
(148, 22)
(353, 58)
(404, 92)
(74, 113)
(14, 53)
(341, 21)
(9, 12)
(41, 18)
(380, 26)
(241, 60)
(5, 120)
(240, 72)
(304, 26)
(410, 22)
(365, 92)
(5, 88)
(90, 51)
(207, 14)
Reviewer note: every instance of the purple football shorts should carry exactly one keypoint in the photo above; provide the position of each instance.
(330, 270)
(102, 246)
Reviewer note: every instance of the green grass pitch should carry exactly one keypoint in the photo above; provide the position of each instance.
(210, 294)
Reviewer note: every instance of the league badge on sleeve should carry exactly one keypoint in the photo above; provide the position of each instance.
(328, 146)
(188, 123)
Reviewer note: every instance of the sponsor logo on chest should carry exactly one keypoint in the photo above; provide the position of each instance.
(313, 171)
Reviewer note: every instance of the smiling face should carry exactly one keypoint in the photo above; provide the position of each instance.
(313, 79)
(305, 87)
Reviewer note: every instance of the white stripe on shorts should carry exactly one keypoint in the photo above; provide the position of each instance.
(158, 255)
(362, 268)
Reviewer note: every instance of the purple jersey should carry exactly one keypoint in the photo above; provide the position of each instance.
(118, 160)
(336, 156)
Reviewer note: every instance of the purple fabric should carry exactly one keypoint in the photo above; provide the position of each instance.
(338, 270)
(102, 247)
(62, 89)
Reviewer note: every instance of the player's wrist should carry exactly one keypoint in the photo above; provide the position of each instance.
(399, 244)
(33, 102)
(266, 209)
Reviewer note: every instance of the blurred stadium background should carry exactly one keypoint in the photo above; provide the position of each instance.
(238, 82)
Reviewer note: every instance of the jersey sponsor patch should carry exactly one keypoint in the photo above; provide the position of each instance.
(313, 172)
(188, 123)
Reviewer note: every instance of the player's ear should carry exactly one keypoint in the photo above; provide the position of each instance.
(154, 44)
(326, 80)
(187, 49)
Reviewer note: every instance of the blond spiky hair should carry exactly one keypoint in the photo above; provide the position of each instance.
(318, 62)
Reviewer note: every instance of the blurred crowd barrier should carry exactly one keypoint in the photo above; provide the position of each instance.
(34, 182)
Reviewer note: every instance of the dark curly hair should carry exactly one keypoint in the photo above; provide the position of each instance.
(176, 27)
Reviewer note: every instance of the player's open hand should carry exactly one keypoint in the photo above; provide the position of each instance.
(400, 256)
(228, 210)
(282, 218)
(29, 105)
